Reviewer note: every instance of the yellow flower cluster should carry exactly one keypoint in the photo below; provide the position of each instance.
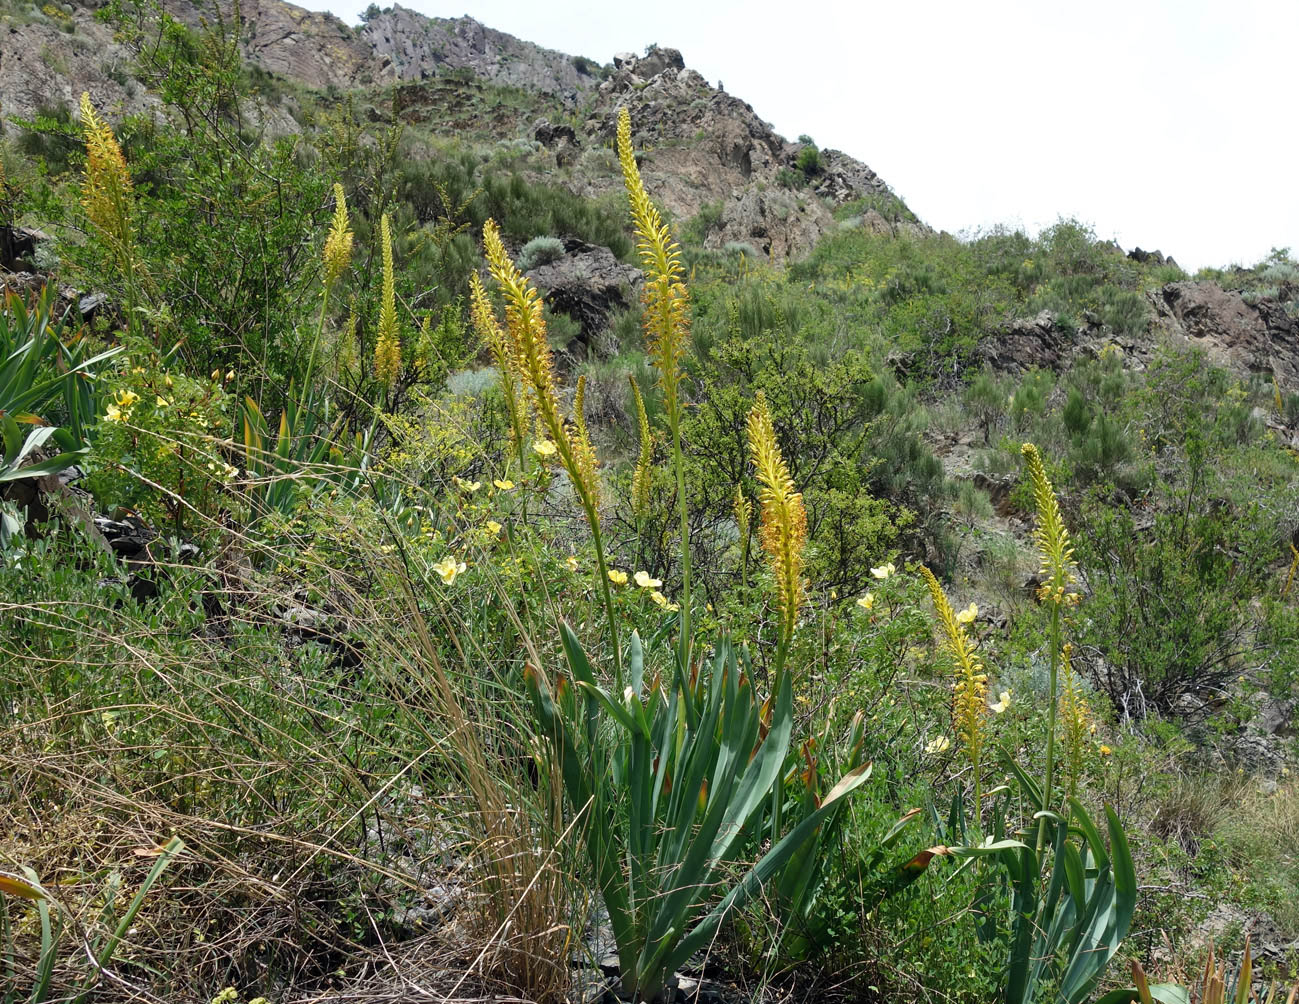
(120, 408)
(1076, 717)
(1051, 536)
(667, 320)
(969, 707)
(502, 349)
(338, 244)
(784, 520)
(387, 347)
(535, 367)
(106, 191)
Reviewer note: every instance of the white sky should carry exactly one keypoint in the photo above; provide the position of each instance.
(1168, 124)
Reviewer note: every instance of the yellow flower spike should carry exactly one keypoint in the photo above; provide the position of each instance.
(1076, 720)
(387, 347)
(617, 577)
(784, 520)
(579, 412)
(644, 580)
(106, 192)
(667, 303)
(1051, 536)
(338, 244)
(640, 479)
(527, 330)
(969, 707)
(502, 349)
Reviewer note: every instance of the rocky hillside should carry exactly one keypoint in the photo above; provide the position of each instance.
(706, 149)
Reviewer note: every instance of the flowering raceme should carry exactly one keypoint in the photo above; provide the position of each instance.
(784, 520)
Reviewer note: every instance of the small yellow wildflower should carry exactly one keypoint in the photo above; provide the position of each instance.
(1105, 750)
(644, 580)
(967, 615)
(883, 571)
(940, 744)
(161, 401)
(866, 602)
(493, 527)
(571, 562)
(664, 602)
(467, 486)
(448, 568)
(115, 414)
(126, 398)
(1002, 704)
(618, 578)
(544, 448)
(504, 484)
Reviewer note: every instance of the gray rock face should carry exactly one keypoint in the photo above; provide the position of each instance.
(406, 45)
(588, 284)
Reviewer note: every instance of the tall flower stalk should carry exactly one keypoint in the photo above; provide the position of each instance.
(667, 328)
(502, 349)
(1076, 720)
(1059, 575)
(336, 257)
(387, 346)
(969, 692)
(107, 196)
(784, 524)
(527, 331)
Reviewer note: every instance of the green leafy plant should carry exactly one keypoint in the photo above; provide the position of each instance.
(1064, 932)
(695, 765)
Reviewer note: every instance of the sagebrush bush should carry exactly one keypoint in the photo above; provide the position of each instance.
(540, 251)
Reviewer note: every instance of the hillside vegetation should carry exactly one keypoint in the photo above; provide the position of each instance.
(446, 558)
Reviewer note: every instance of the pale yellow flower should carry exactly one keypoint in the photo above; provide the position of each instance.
(939, 744)
(967, 615)
(883, 571)
(448, 568)
(1002, 704)
(664, 602)
(116, 414)
(645, 582)
(505, 485)
(544, 448)
(618, 578)
(161, 401)
(571, 562)
(866, 602)
(493, 526)
(468, 486)
(126, 398)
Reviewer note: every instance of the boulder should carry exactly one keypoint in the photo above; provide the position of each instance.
(588, 284)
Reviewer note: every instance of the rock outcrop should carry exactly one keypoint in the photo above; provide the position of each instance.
(1257, 338)
(588, 284)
